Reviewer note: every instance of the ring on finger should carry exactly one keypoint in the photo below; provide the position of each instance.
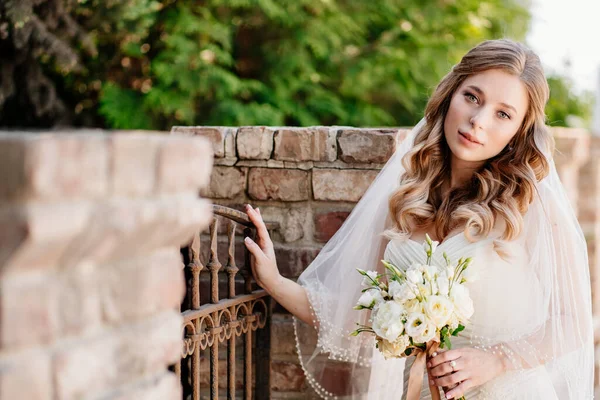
(453, 365)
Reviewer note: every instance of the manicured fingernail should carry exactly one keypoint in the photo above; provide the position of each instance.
(448, 396)
(248, 240)
(257, 209)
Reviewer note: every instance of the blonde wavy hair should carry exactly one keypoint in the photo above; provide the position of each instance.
(502, 189)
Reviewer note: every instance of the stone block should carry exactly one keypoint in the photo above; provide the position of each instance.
(184, 164)
(328, 223)
(164, 386)
(282, 336)
(292, 221)
(79, 300)
(142, 287)
(133, 163)
(26, 376)
(226, 183)
(52, 166)
(366, 145)
(254, 142)
(278, 184)
(341, 185)
(305, 144)
(217, 135)
(28, 310)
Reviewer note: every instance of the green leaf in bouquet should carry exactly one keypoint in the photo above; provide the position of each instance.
(458, 330)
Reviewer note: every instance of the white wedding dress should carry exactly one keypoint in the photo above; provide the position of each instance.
(500, 315)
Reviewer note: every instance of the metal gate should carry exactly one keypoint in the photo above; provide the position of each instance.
(224, 311)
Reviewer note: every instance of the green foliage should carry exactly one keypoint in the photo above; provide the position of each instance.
(161, 63)
(566, 107)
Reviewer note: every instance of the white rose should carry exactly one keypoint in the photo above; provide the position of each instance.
(427, 288)
(443, 285)
(371, 274)
(370, 298)
(401, 291)
(439, 310)
(393, 349)
(463, 304)
(413, 306)
(416, 323)
(429, 332)
(387, 323)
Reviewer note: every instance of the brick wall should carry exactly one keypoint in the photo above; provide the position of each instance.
(90, 272)
(309, 179)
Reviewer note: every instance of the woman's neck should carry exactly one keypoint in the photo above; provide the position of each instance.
(461, 171)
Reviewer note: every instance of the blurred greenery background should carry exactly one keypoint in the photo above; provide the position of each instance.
(150, 64)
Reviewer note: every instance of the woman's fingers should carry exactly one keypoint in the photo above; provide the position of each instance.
(452, 379)
(256, 218)
(459, 390)
(254, 249)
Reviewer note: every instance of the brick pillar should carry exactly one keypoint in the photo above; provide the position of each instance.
(91, 277)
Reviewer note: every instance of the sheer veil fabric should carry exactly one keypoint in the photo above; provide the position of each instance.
(547, 330)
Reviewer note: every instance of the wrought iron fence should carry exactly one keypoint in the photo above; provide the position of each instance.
(223, 304)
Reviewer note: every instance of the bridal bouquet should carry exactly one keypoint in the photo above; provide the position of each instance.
(415, 311)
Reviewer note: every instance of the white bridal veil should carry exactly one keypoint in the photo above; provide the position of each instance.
(558, 335)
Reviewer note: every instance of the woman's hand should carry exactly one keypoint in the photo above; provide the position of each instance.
(264, 266)
(465, 368)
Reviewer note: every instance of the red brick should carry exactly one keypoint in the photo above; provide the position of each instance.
(254, 142)
(327, 224)
(278, 184)
(341, 185)
(292, 261)
(282, 336)
(287, 377)
(366, 145)
(305, 144)
(226, 183)
(215, 134)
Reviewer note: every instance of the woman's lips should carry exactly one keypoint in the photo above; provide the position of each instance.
(469, 139)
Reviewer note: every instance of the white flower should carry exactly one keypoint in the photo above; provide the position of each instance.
(439, 310)
(414, 276)
(401, 291)
(450, 272)
(393, 349)
(443, 285)
(371, 274)
(416, 323)
(463, 304)
(413, 306)
(431, 272)
(428, 333)
(453, 323)
(370, 298)
(387, 323)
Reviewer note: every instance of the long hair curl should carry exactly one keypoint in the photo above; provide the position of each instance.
(502, 189)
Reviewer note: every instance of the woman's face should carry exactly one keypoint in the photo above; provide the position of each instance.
(485, 113)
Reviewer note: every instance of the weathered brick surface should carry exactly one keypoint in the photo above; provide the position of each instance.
(287, 377)
(292, 261)
(282, 336)
(278, 184)
(29, 310)
(26, 376)
(328, 223)
(165, 386)
(183, 164)
(133, 163)
(341, 185)
(226, 183)
(79, 300)
(367, 145)
(142, 287)
(254, 143)
(293, 222)
(215, 134)
(36, 166)
(305, 144)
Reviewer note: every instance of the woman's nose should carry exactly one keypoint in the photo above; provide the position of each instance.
(478, 119)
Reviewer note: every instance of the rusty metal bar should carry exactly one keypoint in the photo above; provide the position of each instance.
(214, 370)
(190, 315)
(248, 366)
(213, 265)
(232, 270)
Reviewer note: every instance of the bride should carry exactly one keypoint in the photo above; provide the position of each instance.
(477, 175)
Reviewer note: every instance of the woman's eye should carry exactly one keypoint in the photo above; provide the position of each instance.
(471, 98)
(503, 115)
